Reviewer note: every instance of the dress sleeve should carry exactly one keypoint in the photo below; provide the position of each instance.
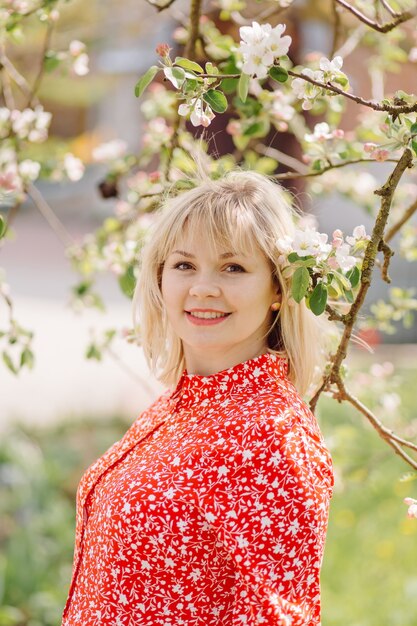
(266, 495)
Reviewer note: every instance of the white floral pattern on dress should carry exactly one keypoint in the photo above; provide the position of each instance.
(212, 510)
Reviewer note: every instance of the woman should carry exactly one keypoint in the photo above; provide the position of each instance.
(212, 510)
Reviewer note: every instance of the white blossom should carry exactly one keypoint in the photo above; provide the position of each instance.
(260, 45)
(201, 113)
(29, 170)
(311, 243)
(331, 66)
(305, 90)
(321, 132)
(109, 151)
(80, 65)
(73, 167)
(344, 260)
(412, 507)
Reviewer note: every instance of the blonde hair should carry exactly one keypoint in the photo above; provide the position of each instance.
(247, 210)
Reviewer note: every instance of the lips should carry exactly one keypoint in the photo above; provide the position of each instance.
(207, 315)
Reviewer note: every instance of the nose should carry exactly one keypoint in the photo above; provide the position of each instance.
(204, 287)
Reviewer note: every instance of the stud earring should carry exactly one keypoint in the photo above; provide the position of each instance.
(275, 306)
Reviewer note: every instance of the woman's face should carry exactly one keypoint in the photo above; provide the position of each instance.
(218, 303)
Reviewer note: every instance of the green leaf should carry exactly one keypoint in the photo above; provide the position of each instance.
(216, 99)
(243, 86)
(414, 145)
(27, 358)
(318, 299)
(8, 361)
(253, 129)
(3, 226)
(300, 283)
(317, 165)
(353, 276)
(51, 61)
(176, 75)
(146, 79)
(190, 85)
(292, 257)
(349, 296)
(93, 352)
(188, 65)
(413, 128)
(278, 73)
(127, 282)
(343, 281)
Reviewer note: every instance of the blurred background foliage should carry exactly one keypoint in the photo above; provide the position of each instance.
(369, 576)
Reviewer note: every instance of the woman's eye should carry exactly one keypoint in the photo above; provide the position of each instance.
(182, 266)
(235, 268)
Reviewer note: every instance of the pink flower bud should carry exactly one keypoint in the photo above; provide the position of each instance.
(306, 159)
(338, 133)
(380, 155)
(154, 176)
(282, 127)
(369, 147)
(233, 127)
(162, 50)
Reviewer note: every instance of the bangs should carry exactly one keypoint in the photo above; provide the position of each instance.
(226, 225)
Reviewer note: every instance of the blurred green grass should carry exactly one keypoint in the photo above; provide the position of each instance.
(369, 576)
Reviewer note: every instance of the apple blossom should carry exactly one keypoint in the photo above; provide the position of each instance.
(201, 113)
(260, 45)
(307, 91)
(331, 66)
(109, 151)
(73, 167)
(412, 507)
(29, 170)
(80, 65)
(358, 233)
(345, 261)
(76, 48)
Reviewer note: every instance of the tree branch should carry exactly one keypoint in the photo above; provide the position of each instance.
(57, 226)
(381, 28)
(194, 29)
(396, 227)
(41, 70)
(386, 192)
(388, 435)
(388, 253)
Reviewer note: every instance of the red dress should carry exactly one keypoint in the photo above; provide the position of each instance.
(211, 511)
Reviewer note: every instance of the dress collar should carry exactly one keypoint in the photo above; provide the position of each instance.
(194, 389)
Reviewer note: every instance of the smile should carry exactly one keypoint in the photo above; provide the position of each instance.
(206, 317)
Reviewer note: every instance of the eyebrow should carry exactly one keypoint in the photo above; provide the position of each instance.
(225, 255)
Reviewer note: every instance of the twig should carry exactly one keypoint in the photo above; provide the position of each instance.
(389, 8)
(388, 435)
(333, 166)
(20, 80)
(334, 315)
(194, 29)
(57, 226)
(7, 88)
(286, 159)
(130, 372)
(393, 109)
(396, 227)
(337, 27)
(160, 7)
(41, 70)
(351, 42)
(388, 253)
(381, 28)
